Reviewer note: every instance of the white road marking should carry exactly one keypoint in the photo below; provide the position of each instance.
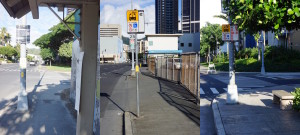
(201, 91)
(214, 91)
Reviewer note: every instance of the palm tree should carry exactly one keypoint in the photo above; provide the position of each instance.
(3, 34)
(7, 38)
(224, 17)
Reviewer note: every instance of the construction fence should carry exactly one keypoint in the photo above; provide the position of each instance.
(184, 69)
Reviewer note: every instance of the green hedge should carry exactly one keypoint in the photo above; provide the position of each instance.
(277, 59)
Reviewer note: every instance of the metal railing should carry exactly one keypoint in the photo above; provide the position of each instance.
(185, 70)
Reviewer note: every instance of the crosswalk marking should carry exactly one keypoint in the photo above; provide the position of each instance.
(201, 91)
(17, 70)
(217, 91)
(239, 89)
(214, 91)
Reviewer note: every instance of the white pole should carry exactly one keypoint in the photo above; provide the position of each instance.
(22, 97)
(232, 93)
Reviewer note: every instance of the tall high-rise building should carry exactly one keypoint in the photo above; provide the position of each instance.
(190, 16)
(166, 16)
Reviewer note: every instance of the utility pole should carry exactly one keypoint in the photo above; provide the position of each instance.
(262, 71)
(232, 93)
(22, 97)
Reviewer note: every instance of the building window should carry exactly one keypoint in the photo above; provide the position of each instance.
(182, 44)
(150, 43)
(190, 44)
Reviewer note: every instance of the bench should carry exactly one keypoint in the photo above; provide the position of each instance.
(284, 98)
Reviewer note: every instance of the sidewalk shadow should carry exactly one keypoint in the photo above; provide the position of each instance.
(252, 117)
(179, 97)
(108, 97)
(47, 113)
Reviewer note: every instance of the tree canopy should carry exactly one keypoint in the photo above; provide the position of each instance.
(47, 54)
(65, 51)
(254, 16)
(211, 36)
(8, 51)
(51, 42)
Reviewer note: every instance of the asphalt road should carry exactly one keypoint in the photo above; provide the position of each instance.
(10, 80)
(110, 74)
(211, 85)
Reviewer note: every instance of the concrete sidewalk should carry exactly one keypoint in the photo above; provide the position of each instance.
(48, 109)
(166, 108)
(256, 114)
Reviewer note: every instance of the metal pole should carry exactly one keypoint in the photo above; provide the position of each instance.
(198, 80)
(22, 96)
(195, 72)
(189, 72)
(232, 93)
(167, 67)
(173, 69)
(209, 55)
(262, 71)
(132, 52)
(137, 77)
(132, 61)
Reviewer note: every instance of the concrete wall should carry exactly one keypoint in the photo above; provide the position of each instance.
(163, 43)
(112, 47)
(295, 40)
(272, 41)
(197, 42)
(187, 38)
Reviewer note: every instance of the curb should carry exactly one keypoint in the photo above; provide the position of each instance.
(217, 119)
(127, 124)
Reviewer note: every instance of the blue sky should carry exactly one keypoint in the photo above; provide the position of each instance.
(112, 11)
(38, 26)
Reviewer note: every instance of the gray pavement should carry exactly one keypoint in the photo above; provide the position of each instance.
(165, 108)
(256, 114)
(10, 81)
(206, 118)
(114, 98)
(48, 112)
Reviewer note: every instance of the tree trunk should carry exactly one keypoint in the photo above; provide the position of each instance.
(50, 63)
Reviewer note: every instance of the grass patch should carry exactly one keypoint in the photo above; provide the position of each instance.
(61, 68)
(204, 64)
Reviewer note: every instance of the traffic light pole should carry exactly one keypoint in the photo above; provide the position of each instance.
(22, 96)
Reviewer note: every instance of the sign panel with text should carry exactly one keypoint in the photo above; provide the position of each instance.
(230, 33)
(135, 21)
(23, 34)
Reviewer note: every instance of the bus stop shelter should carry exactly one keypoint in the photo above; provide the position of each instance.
(88, 41)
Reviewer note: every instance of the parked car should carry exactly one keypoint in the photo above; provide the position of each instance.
(32, 63)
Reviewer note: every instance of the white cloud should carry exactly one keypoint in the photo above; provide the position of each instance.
(117, 15)
(38, 26)
(209, 8)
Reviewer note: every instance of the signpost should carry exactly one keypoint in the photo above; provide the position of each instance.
(23, 37)
(225, 32)
(136, 25)
(230, 32)
(234, 33)
(233, 36)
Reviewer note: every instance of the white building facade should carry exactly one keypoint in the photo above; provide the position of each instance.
(160, 44)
